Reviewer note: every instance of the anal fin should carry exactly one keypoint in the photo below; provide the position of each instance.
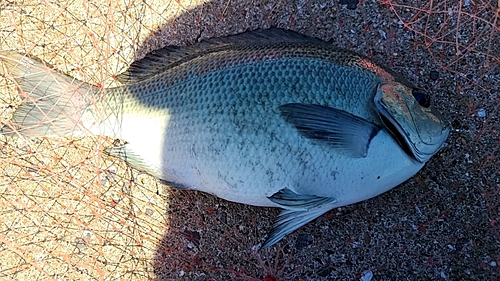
(137, 162)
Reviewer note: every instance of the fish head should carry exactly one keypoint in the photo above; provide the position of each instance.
(410, 117)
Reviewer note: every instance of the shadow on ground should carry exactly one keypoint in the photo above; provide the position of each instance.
(435, 226)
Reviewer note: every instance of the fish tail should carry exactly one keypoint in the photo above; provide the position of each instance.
(53, 103)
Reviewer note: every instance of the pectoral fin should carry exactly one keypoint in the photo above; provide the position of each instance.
(299, 210)
(336, 127)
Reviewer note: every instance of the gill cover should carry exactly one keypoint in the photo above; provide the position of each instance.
(420, 129)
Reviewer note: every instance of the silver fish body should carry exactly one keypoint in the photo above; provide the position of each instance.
(267, 118)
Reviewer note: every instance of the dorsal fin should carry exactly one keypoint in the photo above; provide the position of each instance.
(170, 56)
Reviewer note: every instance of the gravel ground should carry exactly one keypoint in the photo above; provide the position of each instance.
(67, 212)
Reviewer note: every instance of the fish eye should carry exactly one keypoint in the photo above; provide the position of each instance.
(422, 98)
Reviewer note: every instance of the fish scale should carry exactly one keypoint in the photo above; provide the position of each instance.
(266, 118)
(215, 127)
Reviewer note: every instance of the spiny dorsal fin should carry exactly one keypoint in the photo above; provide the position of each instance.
(170, 56)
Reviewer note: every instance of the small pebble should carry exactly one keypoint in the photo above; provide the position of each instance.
(367, 275)
(434, 75)
(181, 273)
(382, 33)
(481, 112)
(104, 180)
(303, 240)
(493, 263)
(351, 4)
(81, 245)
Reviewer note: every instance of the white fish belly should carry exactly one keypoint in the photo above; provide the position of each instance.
(313, 171)
(249, 167)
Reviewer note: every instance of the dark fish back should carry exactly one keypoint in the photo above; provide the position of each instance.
(244, 48)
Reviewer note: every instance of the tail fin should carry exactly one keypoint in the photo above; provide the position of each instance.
(53, 102)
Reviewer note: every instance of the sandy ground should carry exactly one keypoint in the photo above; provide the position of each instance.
(67, 212)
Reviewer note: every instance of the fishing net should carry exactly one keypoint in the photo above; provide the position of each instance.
(70, 212)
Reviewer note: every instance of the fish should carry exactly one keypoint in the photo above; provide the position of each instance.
(268, 118)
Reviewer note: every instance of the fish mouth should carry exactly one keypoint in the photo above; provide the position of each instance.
(420, 131)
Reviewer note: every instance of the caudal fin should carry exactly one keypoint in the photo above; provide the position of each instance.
(54, 103)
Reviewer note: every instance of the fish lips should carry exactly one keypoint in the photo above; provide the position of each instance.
(420, 131)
